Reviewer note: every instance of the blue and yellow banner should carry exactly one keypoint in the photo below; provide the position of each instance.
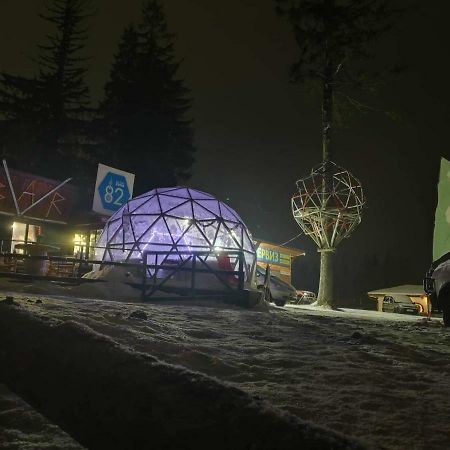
(272, 256)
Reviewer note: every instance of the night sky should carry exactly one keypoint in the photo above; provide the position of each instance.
(257, 134)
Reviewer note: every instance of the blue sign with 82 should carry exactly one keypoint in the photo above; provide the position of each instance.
(113, 191)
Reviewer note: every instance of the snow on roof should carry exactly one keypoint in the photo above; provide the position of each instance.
(404, 289)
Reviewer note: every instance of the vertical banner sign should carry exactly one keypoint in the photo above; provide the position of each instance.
(441, 238)
(113, 189)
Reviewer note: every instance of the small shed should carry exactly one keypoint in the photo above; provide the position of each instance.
(414, 291)
(279, 257)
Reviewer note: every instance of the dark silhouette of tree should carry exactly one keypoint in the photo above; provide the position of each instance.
(46, 117)
(145, 106)
(335, 39)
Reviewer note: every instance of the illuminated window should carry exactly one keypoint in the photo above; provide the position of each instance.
(84, 244)
(22, 232)
(79, 244)
(93, 237)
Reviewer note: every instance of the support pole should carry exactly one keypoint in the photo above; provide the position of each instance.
(144, 275)
(45, 196)
(241, 271)
(193, 270)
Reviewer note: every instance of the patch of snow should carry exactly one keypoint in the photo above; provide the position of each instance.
(382, 377)
(23, 428)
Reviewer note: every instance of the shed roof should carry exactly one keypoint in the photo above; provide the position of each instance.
(293, 252)
(404, 289)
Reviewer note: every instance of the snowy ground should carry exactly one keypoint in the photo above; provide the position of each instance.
(382, 377)
(22, 428)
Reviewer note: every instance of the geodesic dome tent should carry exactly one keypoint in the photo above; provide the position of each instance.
(179, 221)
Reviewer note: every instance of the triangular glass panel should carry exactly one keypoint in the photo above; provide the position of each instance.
(211, 205)
(168, 202)
(235, 231)
(249, 259)
(100, 253)
(102, 240)
(135, 203)
(223, 239)
(167, 190)
(134, 256)
(178, 227)
(141, 223)
(157, 234)
(183, 211)
(145, 194)
(128, 235)
(118, 213)
(247, 243)
(199, 195)
(117, 238)
(181, 193)
(117, 254)
(202, 213)
(112, 227)
(229, 214)
(149, 207)
(209, 229)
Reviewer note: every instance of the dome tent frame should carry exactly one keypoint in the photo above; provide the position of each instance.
(177, 222)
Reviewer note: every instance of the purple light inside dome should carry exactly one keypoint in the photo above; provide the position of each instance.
(174, 220)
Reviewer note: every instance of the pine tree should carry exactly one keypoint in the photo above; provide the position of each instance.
(335, 38)
(145, 106)
(19, 114)
(46, 116)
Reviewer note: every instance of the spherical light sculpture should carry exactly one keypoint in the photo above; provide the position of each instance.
(179, 221)
(328, 204)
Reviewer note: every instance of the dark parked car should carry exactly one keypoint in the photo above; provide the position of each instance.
(280, 292)
(437, 286)
(305, 298)
(401, 304)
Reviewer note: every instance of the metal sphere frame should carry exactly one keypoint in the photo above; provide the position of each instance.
(328, 205)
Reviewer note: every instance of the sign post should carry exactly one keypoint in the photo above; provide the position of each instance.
(113, 189)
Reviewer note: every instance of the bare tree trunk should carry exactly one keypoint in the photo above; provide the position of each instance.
(327, 90)
(326, 284)
(326, 292)
(327, 113)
